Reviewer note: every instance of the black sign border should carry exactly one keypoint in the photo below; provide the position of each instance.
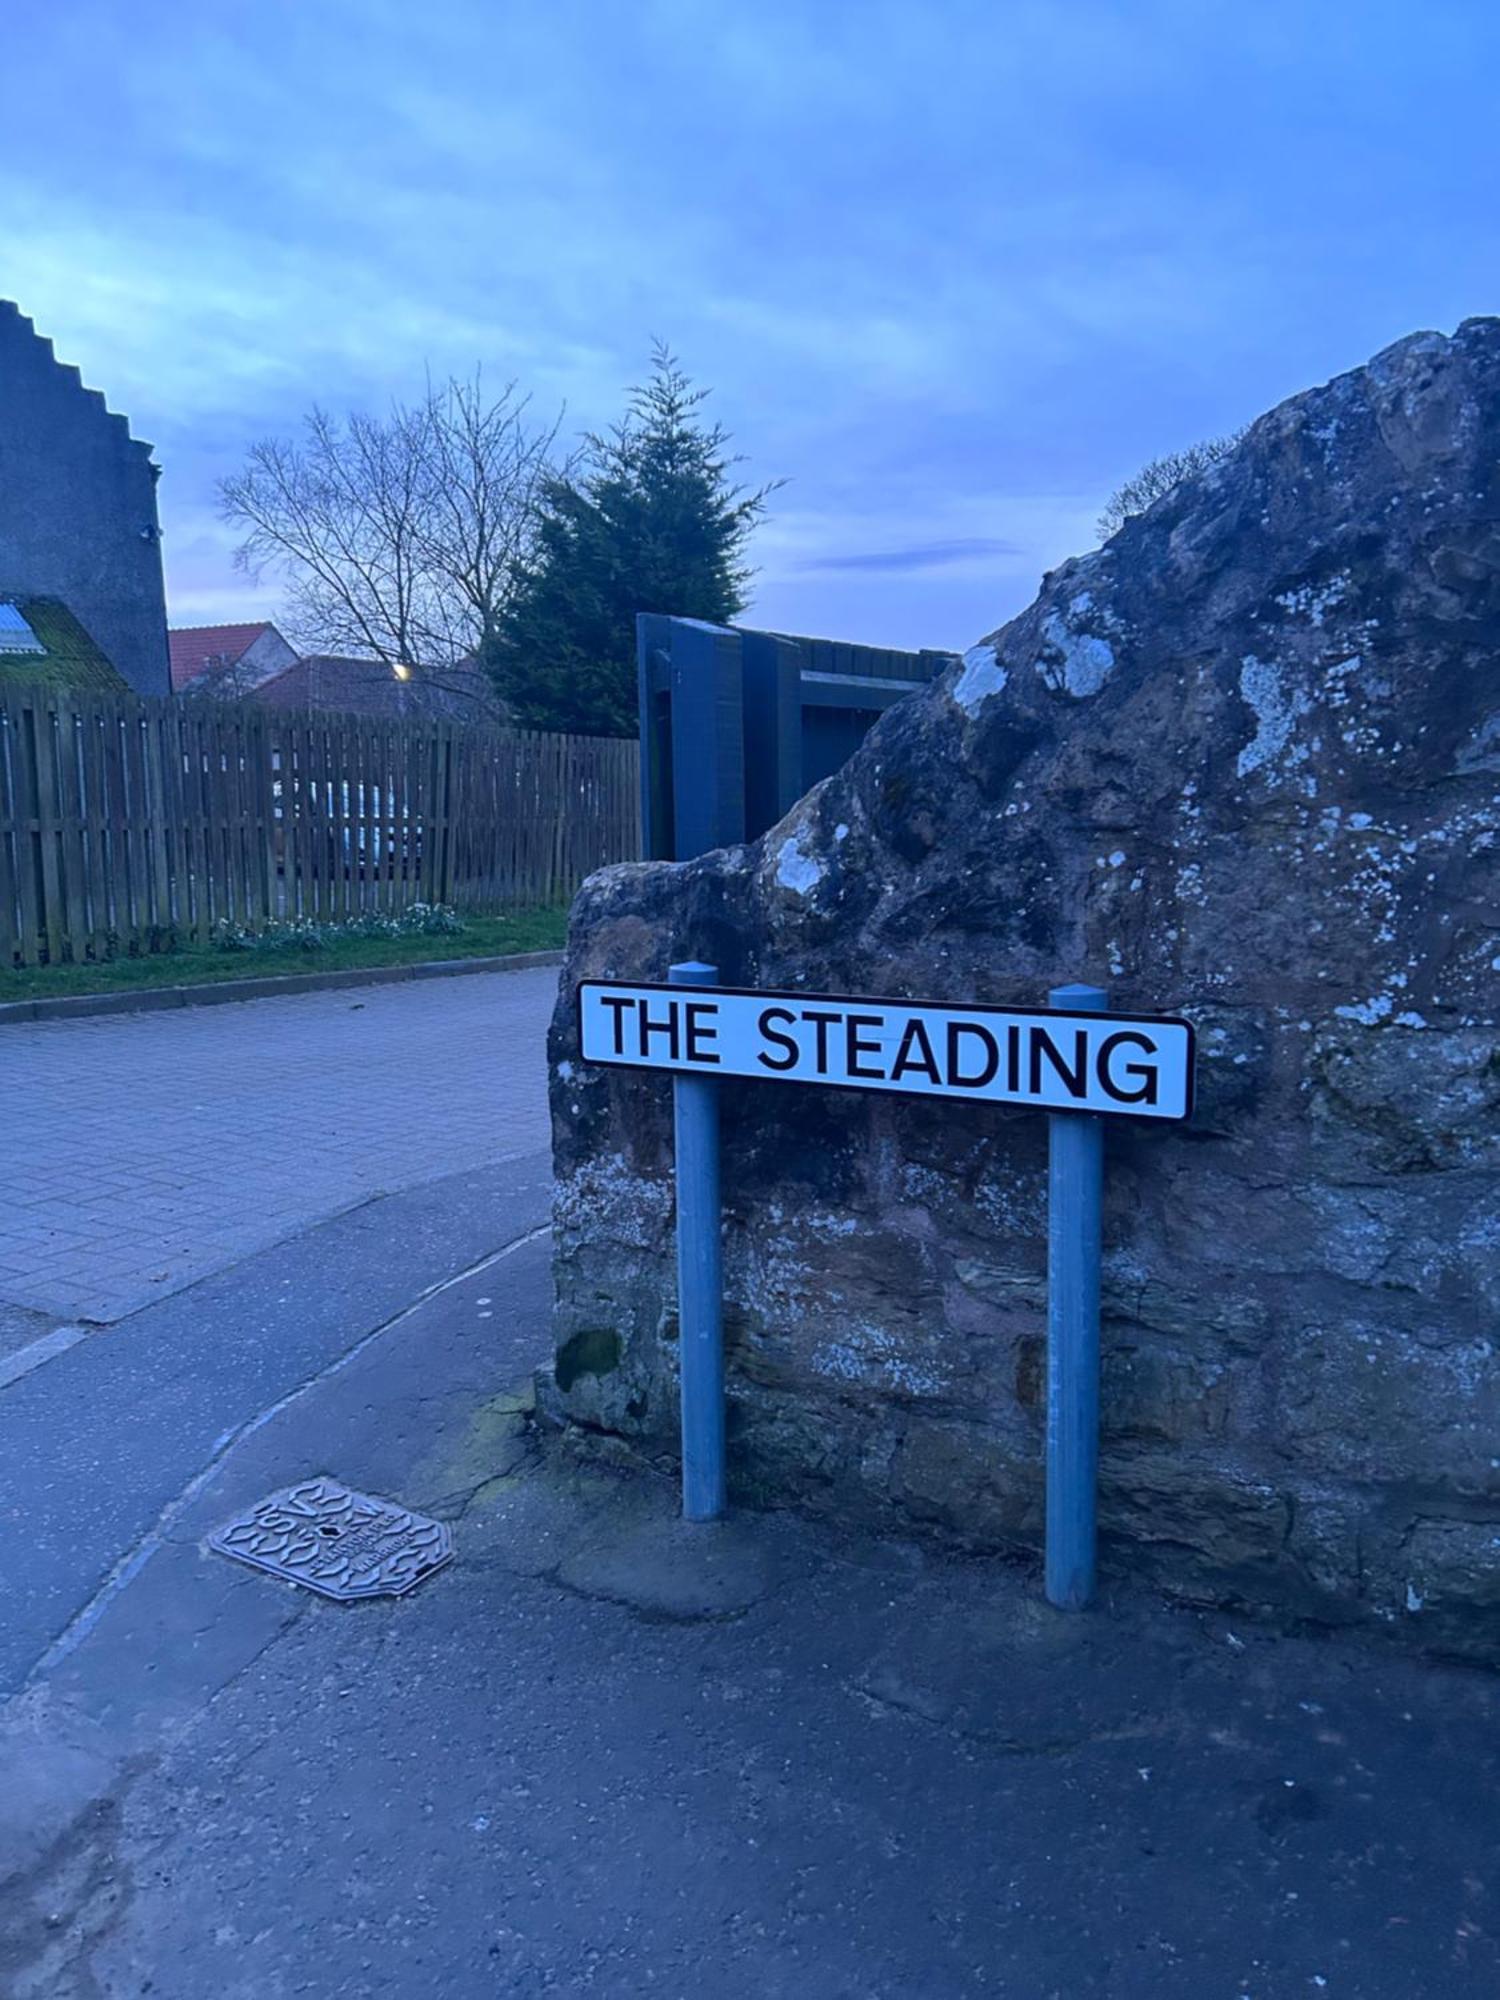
(890, 1089)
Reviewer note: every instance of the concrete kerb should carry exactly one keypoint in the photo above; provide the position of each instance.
(151, 999)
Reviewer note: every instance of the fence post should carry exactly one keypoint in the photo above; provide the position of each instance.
(1075, 1192)
(700, 1278)
(450, 807)
(133, 816)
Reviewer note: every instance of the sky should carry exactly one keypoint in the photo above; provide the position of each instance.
(953, 271)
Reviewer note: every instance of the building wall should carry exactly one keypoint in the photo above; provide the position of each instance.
(263, 659)
(78, 517)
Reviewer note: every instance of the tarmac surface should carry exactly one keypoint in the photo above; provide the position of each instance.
(604, 1752)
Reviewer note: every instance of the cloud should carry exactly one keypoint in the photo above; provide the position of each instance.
(955, 271)
(924, 555)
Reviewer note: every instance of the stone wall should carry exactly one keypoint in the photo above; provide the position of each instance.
(78, 506)
(1241, 763)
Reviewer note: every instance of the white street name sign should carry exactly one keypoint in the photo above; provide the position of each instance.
(1140, 1066)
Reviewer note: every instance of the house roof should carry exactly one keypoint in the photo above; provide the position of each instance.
(194, 648)
(372, 687)
(41, 640)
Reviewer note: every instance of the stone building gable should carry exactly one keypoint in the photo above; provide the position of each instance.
(78, 515)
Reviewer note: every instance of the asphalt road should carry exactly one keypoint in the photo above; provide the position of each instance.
(603, 1752)
(348, 1351)
(104, 1437)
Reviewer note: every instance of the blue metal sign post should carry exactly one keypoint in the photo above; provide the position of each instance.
(1073, 1059)
(700, 1276)
(1075, 1198)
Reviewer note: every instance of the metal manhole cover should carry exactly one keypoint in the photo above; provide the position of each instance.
(338, 1542)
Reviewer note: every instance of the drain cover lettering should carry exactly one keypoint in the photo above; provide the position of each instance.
(343, 1544)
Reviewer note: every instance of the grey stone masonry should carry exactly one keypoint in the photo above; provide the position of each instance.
(1239, 764)
(78, 518)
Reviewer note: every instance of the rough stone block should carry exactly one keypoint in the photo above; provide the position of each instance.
(1239, 764)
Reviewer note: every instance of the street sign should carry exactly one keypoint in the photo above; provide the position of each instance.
(1074, 1059)
(1047, 1058)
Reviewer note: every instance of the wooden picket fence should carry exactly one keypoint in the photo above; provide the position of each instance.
(127, 824)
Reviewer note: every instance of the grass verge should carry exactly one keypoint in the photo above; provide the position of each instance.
(195, 965)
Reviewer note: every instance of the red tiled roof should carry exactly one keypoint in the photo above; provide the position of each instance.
(372, 687)
(330, 680)
(192, 648)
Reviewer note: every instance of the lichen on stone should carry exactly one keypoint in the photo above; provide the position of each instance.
(1277, 708)
(980, 676)
(1077, 663)
(796, 869)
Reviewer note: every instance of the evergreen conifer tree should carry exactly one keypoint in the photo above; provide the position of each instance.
(646, 521)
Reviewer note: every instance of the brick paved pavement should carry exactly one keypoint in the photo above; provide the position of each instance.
(143, 1151)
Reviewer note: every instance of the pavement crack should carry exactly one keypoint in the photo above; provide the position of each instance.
(1064, 1743)
(646, 1613)
(296, 1612)
(455, 1505)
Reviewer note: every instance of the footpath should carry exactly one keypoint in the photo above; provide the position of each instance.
(599, 1752)
(605, 1753)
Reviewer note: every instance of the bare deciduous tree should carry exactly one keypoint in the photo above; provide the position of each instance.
(399, 537)
(1159, 477)
(222, 678)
